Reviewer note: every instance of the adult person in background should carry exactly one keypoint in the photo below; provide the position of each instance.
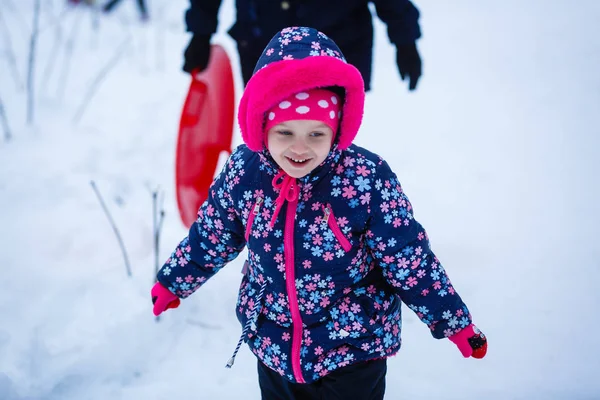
(348, 22)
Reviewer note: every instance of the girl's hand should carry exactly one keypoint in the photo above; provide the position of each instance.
(470, 341)
(163, 299)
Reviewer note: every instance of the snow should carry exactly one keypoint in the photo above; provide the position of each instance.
(497, 150)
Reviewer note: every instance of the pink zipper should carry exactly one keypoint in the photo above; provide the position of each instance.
(253, 214)
(290, 281)
(329, 218)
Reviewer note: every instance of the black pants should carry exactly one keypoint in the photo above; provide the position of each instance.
(361, 381)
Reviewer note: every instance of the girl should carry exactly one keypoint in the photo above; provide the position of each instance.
(333, 246)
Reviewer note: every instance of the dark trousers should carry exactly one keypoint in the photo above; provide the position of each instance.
(361, 381)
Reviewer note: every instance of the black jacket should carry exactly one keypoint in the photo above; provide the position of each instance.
(347, 22)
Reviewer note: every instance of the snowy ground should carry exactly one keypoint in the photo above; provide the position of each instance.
(498, 151)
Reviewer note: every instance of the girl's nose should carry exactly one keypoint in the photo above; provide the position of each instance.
(299, 146)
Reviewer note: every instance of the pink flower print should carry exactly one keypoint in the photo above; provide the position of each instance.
(388, 259)
(287, 30)
(406, 222)
(342, 221)
(387, 184)
(437, 285)
(451, 290)
(308, 341)
(393, 204)
(362, 170)
(343, 350)
(421, 273)
(269, 298)
(418, 251)
(343, 308)
(266, 214)
(355, 308)
(316, 206)
(324, 302)
(182, 261)
(270, 51)
(397, 222)
(189, 279)
(318, 367)
(424, 292)
(281, 267)
(288, 57)
(311, 287)
(328, 256)
(420, 236)
(459, 312)
(365, 346)
(315, 45)
(316, 278)
(317, 240)
(331, 285)
(318, 350)
(365, 198)
(213, 239)
(349, 161)
(236, 180)
(281, 318)
(349, 192)
(297, 37)
(285, 337)
(416, 263)
(267, 247)
(278, 257)
(210, 210)
(411, 281)
(285, 42)
(307, 264)
(219, 224)
(339, 170)
(372, 289)
(403, 263)
(178, 252)
(313, 228)
(385, 207)
(381, 246)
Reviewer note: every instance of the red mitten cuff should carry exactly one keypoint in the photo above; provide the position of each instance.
(470, 341)
(163, 299)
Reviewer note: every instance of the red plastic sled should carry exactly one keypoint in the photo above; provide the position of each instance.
(205, 130)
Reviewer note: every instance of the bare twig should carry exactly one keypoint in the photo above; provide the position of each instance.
(69, 46)
(10, 53)
(31, 65)
(99, 78)
(114, 226)
(5, 126)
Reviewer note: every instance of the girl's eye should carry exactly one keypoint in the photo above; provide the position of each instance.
(285, 133)
(317, 134)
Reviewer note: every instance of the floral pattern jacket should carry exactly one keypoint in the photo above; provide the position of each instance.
(325, 280)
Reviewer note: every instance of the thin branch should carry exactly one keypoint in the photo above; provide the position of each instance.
(69, 46)
(10, 53)
(31, 65)
(5, 126)
(114, 226)
(99, 78)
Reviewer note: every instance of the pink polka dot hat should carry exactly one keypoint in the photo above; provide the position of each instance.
(314, 104)
(297, 67)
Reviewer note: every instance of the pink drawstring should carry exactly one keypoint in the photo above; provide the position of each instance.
(288, 190)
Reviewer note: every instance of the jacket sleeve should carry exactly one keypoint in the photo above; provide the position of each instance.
(400, 246)
(202, 16)
(401, 18)
(214, 239)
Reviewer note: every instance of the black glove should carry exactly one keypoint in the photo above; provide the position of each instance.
(197, 53)
(409, 63)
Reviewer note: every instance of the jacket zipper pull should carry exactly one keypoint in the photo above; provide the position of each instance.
(257, 206)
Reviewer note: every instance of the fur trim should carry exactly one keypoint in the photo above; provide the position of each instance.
(281, 79)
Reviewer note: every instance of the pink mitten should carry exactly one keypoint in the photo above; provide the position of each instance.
(470, 341)
(163, 299)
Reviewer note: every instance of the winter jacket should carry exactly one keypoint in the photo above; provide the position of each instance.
(326, 270)
(348, 22)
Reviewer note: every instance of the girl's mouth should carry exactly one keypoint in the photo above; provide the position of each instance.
(298, 162)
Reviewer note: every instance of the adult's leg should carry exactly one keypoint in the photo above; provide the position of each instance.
(361, 381)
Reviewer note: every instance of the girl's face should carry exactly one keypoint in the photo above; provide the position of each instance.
(299, 146)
